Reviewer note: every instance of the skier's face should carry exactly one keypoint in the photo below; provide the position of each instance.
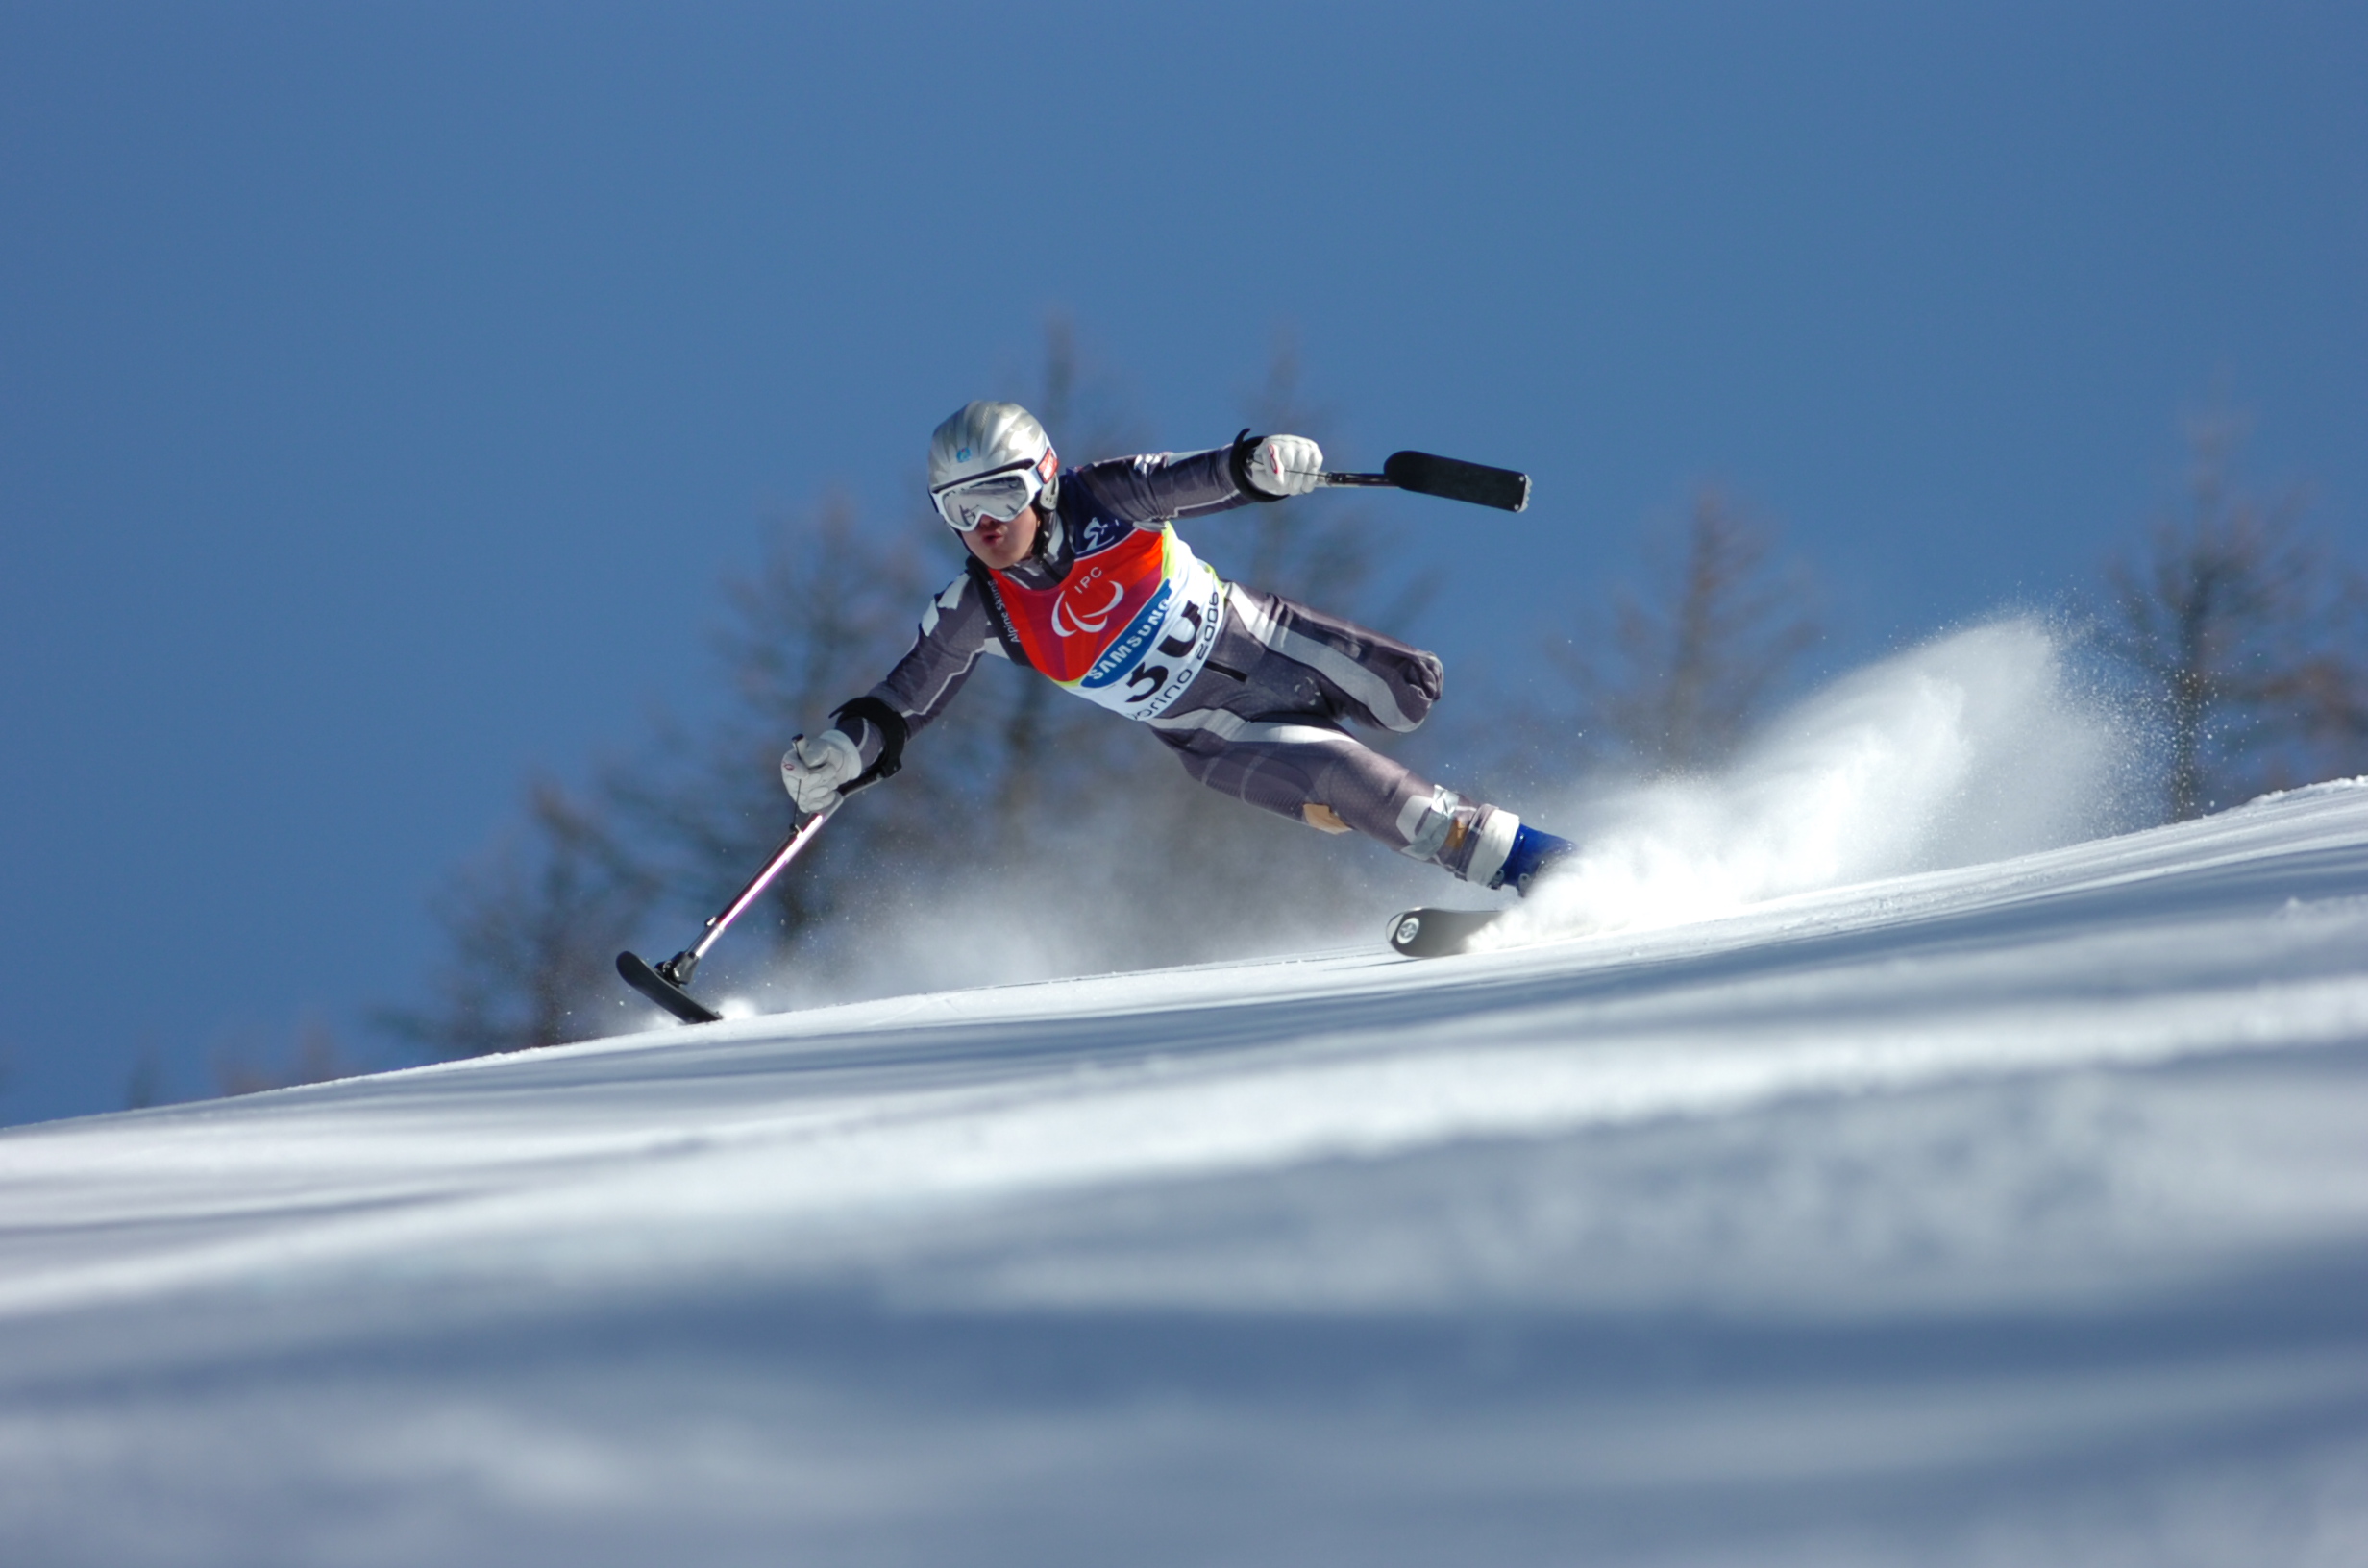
(999, 544)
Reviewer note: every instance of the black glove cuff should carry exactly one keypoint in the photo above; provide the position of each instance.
(1239, 459)
(893, 728)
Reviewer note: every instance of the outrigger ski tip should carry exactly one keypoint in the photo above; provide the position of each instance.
(663, 983)
(655, 984)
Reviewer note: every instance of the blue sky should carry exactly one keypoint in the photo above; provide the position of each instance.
(384, 389)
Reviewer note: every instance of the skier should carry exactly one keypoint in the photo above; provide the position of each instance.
(1080, 575)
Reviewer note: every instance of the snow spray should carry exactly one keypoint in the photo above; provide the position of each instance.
(1972, 748)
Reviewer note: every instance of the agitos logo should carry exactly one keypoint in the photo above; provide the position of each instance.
(1069, 616)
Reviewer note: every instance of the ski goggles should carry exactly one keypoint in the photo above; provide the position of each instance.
(1001, 493)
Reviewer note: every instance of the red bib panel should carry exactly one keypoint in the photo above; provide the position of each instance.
(1066, 629)
(1130, 626)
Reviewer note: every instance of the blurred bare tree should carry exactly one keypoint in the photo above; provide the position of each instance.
(246, 1068)
(530, 930)
(2249, 635)
(144, 1085)
(1675, 679)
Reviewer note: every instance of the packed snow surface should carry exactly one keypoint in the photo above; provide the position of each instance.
(2009, 1213)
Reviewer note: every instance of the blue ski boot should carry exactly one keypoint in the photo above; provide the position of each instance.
(1533, 851)
(1436, 932)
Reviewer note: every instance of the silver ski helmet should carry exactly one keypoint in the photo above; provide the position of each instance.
(991, 459)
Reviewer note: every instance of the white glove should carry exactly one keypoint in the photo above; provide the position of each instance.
(1285, 465)
(816, 765)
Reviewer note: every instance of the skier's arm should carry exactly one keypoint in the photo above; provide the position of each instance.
(866, 734)
(1163, 485)
(955, 633)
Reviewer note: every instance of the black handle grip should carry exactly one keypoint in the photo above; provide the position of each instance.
(1450, 477)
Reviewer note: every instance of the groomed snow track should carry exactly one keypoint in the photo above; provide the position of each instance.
(2010, 1214)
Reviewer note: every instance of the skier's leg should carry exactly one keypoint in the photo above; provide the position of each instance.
(1310, 661)
(1311, 770)
(1263, 723)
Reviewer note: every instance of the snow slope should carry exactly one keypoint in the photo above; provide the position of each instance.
(2012, 1213)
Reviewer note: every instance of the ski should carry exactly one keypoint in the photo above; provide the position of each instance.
(1450, 477)
(664, 992)
(1436, 932)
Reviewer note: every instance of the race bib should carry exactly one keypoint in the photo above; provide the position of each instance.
(1130, 626)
